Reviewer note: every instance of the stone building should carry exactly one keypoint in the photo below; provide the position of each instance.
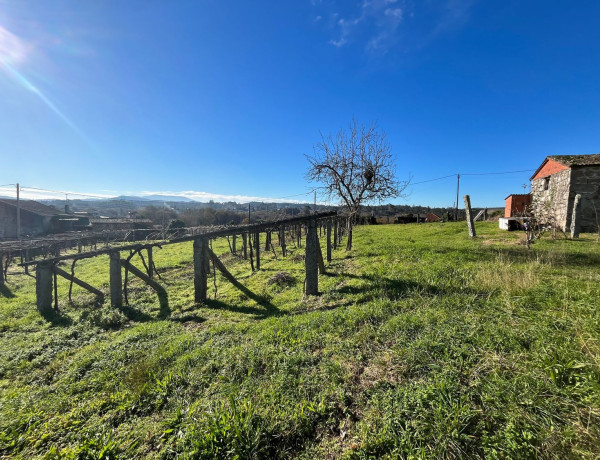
(555, 184)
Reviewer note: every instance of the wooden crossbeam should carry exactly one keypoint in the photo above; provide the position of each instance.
(78, 282)
(160, 291)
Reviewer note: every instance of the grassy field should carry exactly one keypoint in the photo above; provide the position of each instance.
(423, 344)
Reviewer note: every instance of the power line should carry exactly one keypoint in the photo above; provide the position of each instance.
(473, 174)
(493, 173)
(431, 180)
(66, 193)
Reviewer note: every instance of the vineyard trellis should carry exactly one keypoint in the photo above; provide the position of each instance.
(47, 270)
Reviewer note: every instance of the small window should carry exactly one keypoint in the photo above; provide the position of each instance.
(546, 183)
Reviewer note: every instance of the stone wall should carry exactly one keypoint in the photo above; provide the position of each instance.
(585, 180)
(552, 206)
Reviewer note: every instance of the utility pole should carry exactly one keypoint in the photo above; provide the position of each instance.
(315, 204)
(18, 213)
(457, 189)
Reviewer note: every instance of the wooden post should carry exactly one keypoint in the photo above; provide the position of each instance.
(257, 247)
(311, 264)
(150, 263)
(78, 282)
(328, 240)
(268, 240)
(200, 269)
(234, 244)
(244, 246)
(2, 268)
(43, 287)
(470, 223)
(116, 280)
(576, 217)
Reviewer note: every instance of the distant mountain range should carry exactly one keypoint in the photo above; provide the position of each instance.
(171, 198)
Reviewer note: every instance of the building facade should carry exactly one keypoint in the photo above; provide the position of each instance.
(555, 184)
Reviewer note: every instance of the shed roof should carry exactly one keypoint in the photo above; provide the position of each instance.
(33, 207)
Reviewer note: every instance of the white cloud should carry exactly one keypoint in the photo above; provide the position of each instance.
(395, 13)
(381, 25)
(374, 24)
(28, 193)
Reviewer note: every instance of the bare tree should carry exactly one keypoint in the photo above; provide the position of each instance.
(355, 166)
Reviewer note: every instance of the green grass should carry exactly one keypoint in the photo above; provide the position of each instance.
(423, 344)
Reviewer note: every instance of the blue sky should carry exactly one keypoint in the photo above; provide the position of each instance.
(221, 99)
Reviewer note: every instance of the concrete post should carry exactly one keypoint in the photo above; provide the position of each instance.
(328, 232)
(470, 223)
(200, 269)
(43, 287)
(116, 280)
(311, 263)
(576, 217)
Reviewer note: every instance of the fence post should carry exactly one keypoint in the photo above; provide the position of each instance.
(470, 223)
(233, 246)
(43, 287)
(116, 281)
(200, 269)
(311, 264)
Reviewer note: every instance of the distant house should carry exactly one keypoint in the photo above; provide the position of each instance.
(517, 205)
(555, 184)
(37, 219)
(431, 217)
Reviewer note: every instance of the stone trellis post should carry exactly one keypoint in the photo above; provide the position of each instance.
(576, 217)
(470, 223)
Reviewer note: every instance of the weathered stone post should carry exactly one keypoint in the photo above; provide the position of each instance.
(257, 248)
(200, 269)
(576, 217)
(43, 287)
(311, 263)
(470, 223)
(328, 232)
(116, 281)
